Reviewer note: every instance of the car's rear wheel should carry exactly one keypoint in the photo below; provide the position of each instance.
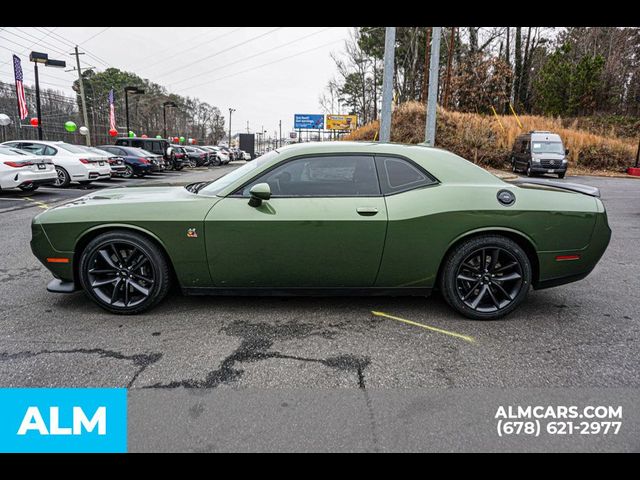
(128, 172)
(63, 179)
(486, 277)
(124, 272)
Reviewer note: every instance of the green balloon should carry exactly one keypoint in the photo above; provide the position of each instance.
(70, 126)
(158, 136)
(181, 139)
(131, 134)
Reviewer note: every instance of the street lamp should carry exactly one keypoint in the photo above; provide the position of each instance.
(164, 114)
(133, 91)
(36, 58)
(231, 110)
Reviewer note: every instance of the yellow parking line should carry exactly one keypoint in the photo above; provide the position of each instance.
(40, 204)
(434, 329)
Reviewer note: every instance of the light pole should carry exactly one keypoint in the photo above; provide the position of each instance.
(231, 110)
(134, 91)
(36, 58)
(164, 116)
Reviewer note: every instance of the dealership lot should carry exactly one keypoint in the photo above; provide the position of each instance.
(582, 334)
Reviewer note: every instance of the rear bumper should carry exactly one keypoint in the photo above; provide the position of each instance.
(554, 272)
(17, 179)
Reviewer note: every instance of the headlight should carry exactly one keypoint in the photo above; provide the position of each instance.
(535, 160)
(564, 160)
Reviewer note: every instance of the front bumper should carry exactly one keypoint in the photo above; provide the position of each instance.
(43, 250)
(537, 168)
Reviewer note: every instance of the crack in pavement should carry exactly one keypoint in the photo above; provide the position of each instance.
(140, 360)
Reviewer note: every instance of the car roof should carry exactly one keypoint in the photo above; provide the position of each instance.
(445, 166)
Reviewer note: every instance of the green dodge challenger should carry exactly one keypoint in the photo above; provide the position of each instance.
(328, 218)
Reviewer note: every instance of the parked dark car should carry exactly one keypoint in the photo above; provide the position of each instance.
(201, 157)
(116, 162)
(539, 152)
(178, 157)
(136, 161)
(157, 146)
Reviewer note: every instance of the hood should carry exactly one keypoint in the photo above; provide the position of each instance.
(131, 195)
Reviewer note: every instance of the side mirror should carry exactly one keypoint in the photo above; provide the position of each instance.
(259, 192)
(566, 151)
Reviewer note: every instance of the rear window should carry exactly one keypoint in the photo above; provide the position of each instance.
(71, 148)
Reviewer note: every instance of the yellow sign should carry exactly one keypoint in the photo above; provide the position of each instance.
(342, 122)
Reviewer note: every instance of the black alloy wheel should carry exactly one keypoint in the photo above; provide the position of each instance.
(124, 272)
(486, 277)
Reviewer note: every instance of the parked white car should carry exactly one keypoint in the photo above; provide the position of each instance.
(72, 163)
(27, 172)
(246, 155)
(221, 155)
(115, 162)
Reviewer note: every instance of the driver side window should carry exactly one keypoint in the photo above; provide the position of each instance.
(326, 176)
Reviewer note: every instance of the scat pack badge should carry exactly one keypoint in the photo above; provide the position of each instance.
(191, 233)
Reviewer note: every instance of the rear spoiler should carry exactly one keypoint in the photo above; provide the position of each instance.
(572, 187)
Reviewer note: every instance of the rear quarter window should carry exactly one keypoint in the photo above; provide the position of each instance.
(399, 175)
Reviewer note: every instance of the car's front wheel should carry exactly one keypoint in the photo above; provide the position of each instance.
(124, 272)
(528, 171)
(486, 277)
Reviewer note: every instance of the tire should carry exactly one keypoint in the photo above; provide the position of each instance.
(145, 272)
(503, 258)
(128, 172)
(64, 179)
(528, 170)
(84, 183)
(561, 175)
(32, 187)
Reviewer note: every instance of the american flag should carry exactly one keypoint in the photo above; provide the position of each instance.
(112, 112)
(22, 101)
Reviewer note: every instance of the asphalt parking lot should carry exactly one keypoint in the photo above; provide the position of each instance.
(584, 334)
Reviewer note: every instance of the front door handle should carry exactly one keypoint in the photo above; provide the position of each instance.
(367, 211)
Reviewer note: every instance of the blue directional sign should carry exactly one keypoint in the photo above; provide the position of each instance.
(302, 121)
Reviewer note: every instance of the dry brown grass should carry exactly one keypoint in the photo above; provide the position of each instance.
(485, 140)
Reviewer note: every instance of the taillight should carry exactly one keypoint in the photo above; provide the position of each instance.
(143, 160)
(84, 160)
(18, 164)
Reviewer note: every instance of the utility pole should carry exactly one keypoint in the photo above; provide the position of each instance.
(247, 126)
(387, 84)
(432, 100)
(231, 110)
(447, 78)
(280, 136)
(84, 100)
(425, 75)
(38, 113)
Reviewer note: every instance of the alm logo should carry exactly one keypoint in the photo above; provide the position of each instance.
(60, 420)
(33, 421)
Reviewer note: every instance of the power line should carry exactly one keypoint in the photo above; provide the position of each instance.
(222, 51)
(263, 65)
(69, 43)
(251, 56)
(43, 44)
(94, 36)
(164, 59)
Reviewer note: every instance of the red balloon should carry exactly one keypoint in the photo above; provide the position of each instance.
(34, 122)
(113, 132)
(144, 136)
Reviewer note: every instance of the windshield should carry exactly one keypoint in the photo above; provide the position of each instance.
(71, 148)
(10, 151)
(223, 182)
(547, 147)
